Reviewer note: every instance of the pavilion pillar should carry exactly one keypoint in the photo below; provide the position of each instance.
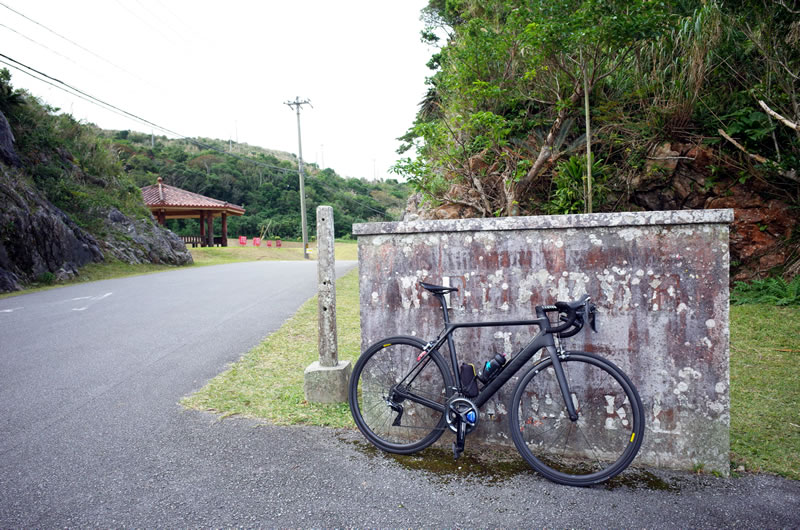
(210, 234)
(202, 228)
(224, 229)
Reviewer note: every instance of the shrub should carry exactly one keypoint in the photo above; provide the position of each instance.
(773, 291)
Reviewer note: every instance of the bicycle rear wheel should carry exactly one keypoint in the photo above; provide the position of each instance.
(396, 401)
(600, 444)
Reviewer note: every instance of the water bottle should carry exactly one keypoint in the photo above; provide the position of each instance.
(491, 368)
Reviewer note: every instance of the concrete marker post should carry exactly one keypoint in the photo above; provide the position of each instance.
(325, 381)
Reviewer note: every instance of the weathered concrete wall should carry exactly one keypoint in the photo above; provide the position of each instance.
(659, 279)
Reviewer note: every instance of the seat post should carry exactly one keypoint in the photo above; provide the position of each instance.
(443, 302)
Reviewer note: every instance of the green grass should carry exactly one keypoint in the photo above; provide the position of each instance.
(268, 381)
(344, 250)
(765, 389)
(288, 251)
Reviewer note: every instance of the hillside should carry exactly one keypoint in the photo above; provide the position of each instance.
(264, 181)
(65, 200)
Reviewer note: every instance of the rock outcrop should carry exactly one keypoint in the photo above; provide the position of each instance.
(38, 240)
(142, 241)
(679, 176)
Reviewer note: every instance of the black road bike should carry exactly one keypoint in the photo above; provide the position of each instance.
(574, 416)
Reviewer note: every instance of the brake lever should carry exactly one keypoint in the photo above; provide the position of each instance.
(589, 311)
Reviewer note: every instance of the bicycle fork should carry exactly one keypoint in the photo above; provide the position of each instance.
(562, 382)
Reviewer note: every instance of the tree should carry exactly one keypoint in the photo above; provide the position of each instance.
(510, 69)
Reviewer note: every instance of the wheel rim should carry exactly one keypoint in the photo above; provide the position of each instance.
(603, 440)
(376, 403)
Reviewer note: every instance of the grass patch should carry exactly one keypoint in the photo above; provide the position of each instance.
(344, 251)
(765, 389)
(268, 381)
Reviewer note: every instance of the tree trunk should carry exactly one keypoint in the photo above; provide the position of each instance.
(588, 201)
(547, 148)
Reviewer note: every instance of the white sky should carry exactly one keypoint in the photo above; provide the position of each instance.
(224, 69)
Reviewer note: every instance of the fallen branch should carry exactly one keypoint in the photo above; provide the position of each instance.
(785, 121)
(758, 158)
(790, 174)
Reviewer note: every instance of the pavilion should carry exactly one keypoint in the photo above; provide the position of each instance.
(169, 202)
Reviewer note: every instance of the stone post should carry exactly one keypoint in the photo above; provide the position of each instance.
(325, 381)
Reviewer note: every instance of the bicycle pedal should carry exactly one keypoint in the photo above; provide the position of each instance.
(457, 450)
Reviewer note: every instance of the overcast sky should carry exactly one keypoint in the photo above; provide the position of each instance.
(224, 69)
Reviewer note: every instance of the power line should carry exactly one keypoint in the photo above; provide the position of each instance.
(113, 108)
(146, 23)
(313, 178)
(57, 83)
(90, 96)
(71, 41)
(38, 43)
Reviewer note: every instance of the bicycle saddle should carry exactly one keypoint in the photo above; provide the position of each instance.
(438, 289)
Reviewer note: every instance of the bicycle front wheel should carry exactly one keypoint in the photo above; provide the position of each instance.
(601, 443)
(396, 401)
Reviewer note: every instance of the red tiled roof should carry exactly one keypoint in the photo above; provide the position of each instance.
(163, 195)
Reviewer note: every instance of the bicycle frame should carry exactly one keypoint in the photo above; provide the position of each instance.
(543, 339)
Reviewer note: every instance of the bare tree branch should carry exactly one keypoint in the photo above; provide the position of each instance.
(758, 158)
(789, 9)
(785, 121)
(790, 174)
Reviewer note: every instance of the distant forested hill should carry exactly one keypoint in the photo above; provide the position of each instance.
(265, 182)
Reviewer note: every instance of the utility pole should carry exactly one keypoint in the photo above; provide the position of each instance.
(297, 104)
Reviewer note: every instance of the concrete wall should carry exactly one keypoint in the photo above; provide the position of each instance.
(659, 279)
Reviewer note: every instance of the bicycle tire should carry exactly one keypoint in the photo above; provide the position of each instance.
(609, 430)
(380, 367)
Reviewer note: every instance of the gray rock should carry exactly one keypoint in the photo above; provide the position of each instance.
(36, 237)
(142, 241)
(7, 152)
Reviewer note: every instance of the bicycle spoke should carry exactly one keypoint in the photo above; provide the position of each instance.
(389, 382)
(596, 446)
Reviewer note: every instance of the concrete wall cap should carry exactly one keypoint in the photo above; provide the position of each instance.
(547, 222)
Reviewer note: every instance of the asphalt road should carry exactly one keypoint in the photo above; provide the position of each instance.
(91, 433)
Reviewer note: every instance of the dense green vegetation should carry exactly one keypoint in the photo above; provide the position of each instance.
(74, 167)
(264, 182)
(503, 128)
(776, 291)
